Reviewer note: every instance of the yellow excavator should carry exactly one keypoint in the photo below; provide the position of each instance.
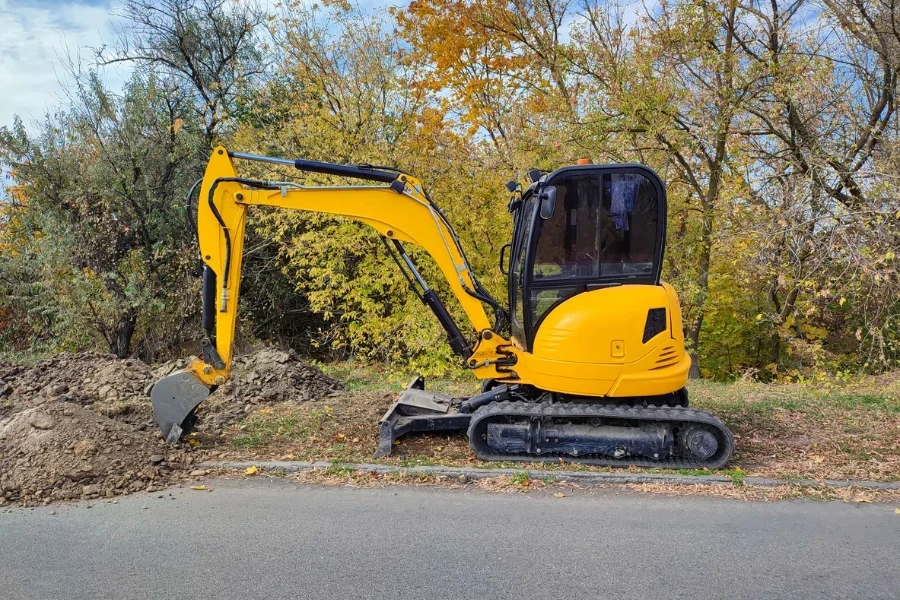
(587, 364)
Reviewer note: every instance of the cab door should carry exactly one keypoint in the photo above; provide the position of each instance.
(607, 228)
(517, 272)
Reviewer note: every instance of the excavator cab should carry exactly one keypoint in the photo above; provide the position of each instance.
(579, 229)
(586, 363)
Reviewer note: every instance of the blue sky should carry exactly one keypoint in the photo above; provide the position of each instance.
(36, 36)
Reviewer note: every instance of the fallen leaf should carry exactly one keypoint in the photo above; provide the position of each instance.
(251, 470)
(861, 498)
(897, 511)
(438, 448)
(193, 443)
(339, 436)
(559, 495)
(328, 409)
(199, 488)
(818, 459)
(355, 440)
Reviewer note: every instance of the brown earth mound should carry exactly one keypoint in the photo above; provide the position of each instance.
(62, 451)
(102, 433)
(86, 378)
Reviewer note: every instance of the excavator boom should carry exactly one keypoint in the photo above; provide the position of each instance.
(394, 204)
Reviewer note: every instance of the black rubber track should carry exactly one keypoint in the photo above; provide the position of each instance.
(676, 416)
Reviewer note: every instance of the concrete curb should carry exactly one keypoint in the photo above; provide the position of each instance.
(588, 477)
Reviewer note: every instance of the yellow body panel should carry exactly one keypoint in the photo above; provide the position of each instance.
(592, 345)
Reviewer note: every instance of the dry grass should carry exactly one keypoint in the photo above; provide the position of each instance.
(783, 431)
(795, 431)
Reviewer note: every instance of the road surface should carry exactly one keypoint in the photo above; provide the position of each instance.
(268, 539)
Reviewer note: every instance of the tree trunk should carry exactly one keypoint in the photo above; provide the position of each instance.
(693, 332)
(120, 343)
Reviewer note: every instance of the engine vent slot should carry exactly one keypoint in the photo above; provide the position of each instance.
(655, 324)
(666, 358)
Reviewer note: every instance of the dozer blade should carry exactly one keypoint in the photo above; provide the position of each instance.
(174, 399)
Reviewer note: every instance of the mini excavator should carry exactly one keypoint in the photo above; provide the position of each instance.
(587, 364)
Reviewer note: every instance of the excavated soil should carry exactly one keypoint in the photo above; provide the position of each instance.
(81, 425)
(61, 451)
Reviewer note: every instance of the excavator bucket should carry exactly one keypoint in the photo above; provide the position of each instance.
(174, 399)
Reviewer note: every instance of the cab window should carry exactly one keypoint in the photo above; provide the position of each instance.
(604, 227)
(604, 230)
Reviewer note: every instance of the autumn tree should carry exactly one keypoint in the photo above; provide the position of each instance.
(343, 91)
(209, 48)
(101, 229)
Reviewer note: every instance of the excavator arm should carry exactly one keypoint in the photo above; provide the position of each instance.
(397, 207)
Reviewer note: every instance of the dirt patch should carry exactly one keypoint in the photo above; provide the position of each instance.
(81, 425)
(340, 428)
(62, 451)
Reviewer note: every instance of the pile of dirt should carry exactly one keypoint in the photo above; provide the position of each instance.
(273, 375)
(120, 389)
(86, 378)
(261, 377)
(102, 434)
(61, 451)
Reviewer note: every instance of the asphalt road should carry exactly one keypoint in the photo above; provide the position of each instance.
(271, 539)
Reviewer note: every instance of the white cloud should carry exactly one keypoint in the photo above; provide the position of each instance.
(36, 38)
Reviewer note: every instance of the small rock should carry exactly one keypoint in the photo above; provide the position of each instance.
(156, 459)
(107, 392)
(198, 472)
(85, 448)
(41, 421)
(59, 388)
(52, 512)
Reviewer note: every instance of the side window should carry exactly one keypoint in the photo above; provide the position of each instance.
(517, 268)
(628, 238)
(568, 244)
